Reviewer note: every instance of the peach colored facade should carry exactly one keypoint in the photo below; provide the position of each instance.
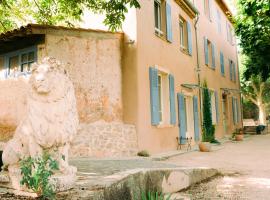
(150, 49)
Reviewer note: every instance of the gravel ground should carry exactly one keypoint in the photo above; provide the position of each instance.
(248, 166)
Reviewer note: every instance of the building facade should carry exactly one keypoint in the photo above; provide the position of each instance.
(179, 45)
(136, 90)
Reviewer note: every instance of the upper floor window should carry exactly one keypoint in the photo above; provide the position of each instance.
(183, 33)
(207, 9)
(229, 33)
(209, 53)
(163, 21)
(219, 21)
(157, 5)
(232, 70)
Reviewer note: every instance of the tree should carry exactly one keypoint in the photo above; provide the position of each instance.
(252, 26)
(62, 12)
(257, 91)
(208, 128)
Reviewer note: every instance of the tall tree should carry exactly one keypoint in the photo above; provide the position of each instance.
(258, 92)
(62, 12)
(252, 26)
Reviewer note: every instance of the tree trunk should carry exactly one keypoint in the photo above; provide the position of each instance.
(262, 113)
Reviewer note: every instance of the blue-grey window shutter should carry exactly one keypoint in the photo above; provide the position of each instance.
(172, 100)
(213, 56)
(196, 118)
(230, 65)
(222, 63)
(169, 22)
(234, 71)
(189, 38)
(154, 98)
(217, 107)
(206, 50)
(233, 110)
(182, 116)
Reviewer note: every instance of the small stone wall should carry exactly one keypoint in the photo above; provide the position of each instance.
(102, 139)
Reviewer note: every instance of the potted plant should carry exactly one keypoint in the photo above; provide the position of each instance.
(238, 135)
(208, 129)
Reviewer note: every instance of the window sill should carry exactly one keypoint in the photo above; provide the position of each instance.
(165, 126)
(184, 50)
(161, 35)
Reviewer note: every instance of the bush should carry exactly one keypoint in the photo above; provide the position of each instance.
(143, 153)
(208, 129)
(36, 173)
(153, 196)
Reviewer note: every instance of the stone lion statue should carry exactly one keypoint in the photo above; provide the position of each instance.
(51, 121)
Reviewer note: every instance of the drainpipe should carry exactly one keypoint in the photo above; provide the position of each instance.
(198, 65)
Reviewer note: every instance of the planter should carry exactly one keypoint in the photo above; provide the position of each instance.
(205, 146)
(239, 137)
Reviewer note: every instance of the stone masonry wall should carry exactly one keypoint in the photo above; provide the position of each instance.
(102, 139)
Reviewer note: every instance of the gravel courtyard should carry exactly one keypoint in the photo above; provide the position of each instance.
(245, 167)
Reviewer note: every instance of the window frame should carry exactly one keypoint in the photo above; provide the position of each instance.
(184, 38)
(18, 53)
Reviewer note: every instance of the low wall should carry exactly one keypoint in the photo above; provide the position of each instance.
(103, 139)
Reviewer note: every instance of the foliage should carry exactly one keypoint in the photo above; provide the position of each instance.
(250, 110)
(143, 153)
(208, 128)
(252, 26)
(153, 196)
(36, 173)
(62, 12)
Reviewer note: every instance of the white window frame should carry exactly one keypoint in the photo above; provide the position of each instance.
(159, 18)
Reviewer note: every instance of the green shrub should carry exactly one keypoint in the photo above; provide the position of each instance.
(143, 153)
(208, 129)
(36, 173)
(153, 196)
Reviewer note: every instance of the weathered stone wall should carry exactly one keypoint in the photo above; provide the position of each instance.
(12, 105)
(102, 139)
(95, 70)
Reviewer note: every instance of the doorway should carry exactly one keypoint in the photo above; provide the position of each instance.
(225, 113)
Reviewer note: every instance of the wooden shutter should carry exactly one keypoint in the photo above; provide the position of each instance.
(217, 107)
(154, 97)
(182, 116)
(222, 63)
(205, 50)
(172, 100)
(189, 38)
(196, 118)
(230, 65)
(169, 22)
(213, 56)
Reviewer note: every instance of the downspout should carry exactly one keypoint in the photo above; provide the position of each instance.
(198, 64)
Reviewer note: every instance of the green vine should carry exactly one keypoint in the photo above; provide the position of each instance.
(36, 173)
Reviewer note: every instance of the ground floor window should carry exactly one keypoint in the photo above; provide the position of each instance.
(20, 62)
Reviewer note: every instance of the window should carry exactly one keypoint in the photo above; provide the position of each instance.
(183, 34)
(20, 62)
(232, 70)
(229, 33)
(162, 97)
(185, 111)
(213, 108)
(207, 9)
(209, 50)
(163, 21)
(218, 21)
(157, 5)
